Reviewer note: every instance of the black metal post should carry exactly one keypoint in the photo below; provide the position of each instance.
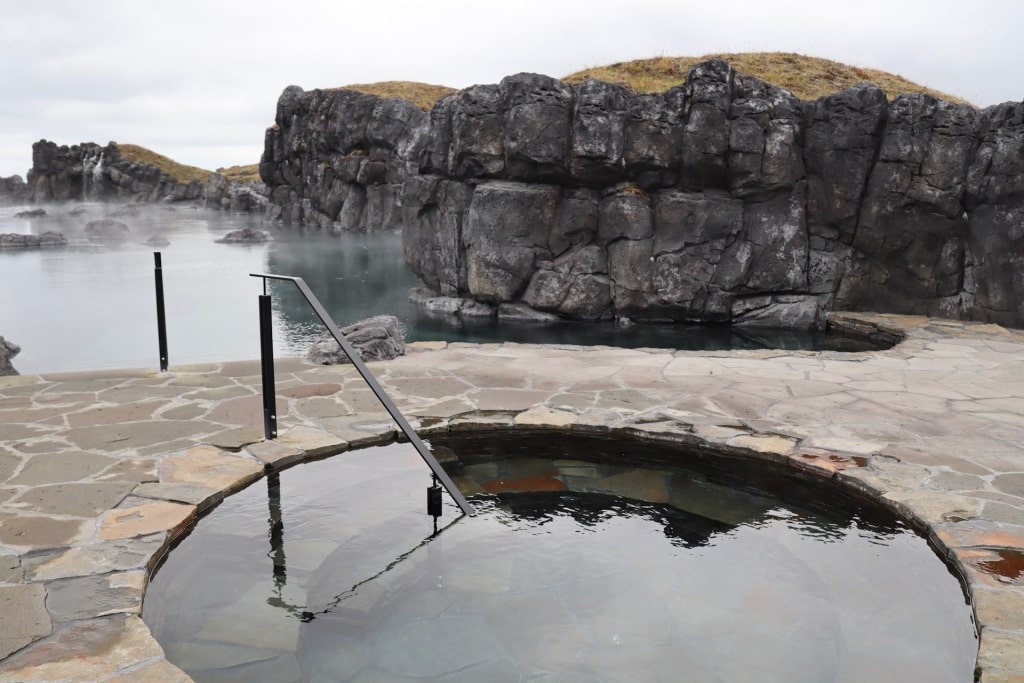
(161, 319)
(267, 364)
(371, 381)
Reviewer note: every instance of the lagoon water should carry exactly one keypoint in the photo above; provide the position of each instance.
(92, 305)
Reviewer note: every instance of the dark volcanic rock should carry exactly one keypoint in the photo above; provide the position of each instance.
(724, 199)
(376, 338)
(106, 230)
(8, 351)
(31, 213)
(244, 236)
(14, 190)
(46, 239)
(90, 172)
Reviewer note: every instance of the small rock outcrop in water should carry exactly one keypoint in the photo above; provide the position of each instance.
(724, 199)
(7, 352)
(46, 239)
(31, 213)
(14, 190)
(376, 338)
(106, 230)
(244, 236)
(157, 241)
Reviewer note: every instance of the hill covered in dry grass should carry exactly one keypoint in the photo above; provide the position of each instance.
(806, 77)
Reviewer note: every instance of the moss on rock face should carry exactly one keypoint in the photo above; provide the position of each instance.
(808, 78)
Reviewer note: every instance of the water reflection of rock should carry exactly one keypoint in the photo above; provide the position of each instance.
(354, 276)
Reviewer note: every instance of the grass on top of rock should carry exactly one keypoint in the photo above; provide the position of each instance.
(179, 172)
(423, 95)
(808, 78)
(241, 174)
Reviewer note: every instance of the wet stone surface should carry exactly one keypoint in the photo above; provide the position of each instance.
(933, 427)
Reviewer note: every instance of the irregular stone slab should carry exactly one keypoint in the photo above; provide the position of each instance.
(146, 519)
(40, 533)
(40, 446)
(310, 390)
(236, 438)
(17, 432)
(117, 414)
(96, 558)
(275, 455)
(508, 399)
(358, 431)
(186, 412)
(542, 416)
(442, 409)
(76, 500)
(25, 617)
(1010, 483)
(1003, 609)
(314, 442)
(191, 494)
(90, 650)
(247, 410)
(10, 569)
(319, 406)
(50, 468)
(211, 467)
(134, 470)
(1000, 512)
(1000, 649)
(133, 435)
(95, 596)
(9, 463)
(934, 507)
(764, 443)
(159, 671)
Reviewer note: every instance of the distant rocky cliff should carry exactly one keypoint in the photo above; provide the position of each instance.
(89, 172)
(724, 199)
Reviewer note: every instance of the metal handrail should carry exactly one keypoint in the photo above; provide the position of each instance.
(377, 389)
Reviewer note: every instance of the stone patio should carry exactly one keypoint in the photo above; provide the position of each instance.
(99, 471)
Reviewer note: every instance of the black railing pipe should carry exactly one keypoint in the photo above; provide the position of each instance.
(377, 389)
(161, 319)
(267, 367)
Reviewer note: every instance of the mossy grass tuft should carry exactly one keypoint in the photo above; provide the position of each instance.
(806, 77)
(179, 172)
(423, 95)
(241, 174)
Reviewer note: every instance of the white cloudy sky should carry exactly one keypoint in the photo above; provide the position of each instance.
(198, 80)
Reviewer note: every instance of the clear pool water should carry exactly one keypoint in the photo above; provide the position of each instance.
(574, 570)
(92, 305)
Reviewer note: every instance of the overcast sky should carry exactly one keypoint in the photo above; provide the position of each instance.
(198, 81)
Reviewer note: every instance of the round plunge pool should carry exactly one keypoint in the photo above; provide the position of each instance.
(589, 560)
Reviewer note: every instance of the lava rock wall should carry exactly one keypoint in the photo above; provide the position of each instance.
(89, 172)
(724, 199)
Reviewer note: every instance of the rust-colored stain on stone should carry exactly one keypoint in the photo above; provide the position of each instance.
(1009, 568)
(533, 482)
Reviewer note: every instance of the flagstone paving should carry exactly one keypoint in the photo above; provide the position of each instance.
(99, 471)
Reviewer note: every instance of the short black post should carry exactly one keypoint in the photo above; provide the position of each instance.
(267, 364)
(161, 320)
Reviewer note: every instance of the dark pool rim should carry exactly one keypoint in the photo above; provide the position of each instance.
(852, 490)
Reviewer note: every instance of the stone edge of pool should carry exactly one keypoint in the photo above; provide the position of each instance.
(101, 471)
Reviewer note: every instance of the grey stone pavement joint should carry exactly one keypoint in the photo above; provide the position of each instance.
(100, 471)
